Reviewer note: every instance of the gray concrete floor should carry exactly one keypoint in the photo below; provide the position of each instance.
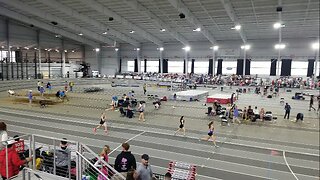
(247, 151)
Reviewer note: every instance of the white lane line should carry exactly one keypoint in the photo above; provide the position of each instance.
(164, 133)
(285, 160)
(126, 142)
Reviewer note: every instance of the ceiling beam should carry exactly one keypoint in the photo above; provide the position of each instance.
(230, 11)
(124, 22)
(22, 18)
(44, 15)
(161, 24)
(182, 8)
(86, 19)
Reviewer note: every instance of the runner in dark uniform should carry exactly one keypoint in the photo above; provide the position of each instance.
(181, 127)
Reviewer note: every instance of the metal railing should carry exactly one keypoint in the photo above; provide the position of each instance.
(49, 156)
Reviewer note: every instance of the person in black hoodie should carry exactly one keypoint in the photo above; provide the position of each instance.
(125, 161)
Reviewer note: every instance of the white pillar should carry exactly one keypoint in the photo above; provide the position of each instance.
(39, 51)
(187, 60)
(244, 61)
(139, 60)
(161, 62)
(118, 60)
(63, 64)
(316, 61)
(278, 63)
(214, 61)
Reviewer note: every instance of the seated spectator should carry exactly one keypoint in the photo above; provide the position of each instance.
(122, 112)
(14, 161)
(129, 111)
(250, 113)
(157, 104)
(58, 94)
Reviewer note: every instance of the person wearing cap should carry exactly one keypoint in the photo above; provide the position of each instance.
(14, 161)
(63, 158)
(125, 161)
(144, 170)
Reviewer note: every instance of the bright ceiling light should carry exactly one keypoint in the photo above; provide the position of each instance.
(45, 49)
(187, 48)
(97, 49)
(246, 47)
(116, 49)
(72, 51)
(215, 48)
(162, 30)
(49, 50)
(278, 25)
(197, 30)
(236, 27)
(131, 32)
(58, 36)
(80, 34)
(57, 50)
(35, 48)
(26, 48)
(138, 49)
(279, 46)
(105, 32)
(65, 50)
(161, 48)
(315, 46)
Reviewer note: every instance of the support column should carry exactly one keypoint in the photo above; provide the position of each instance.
(214, 62)
(316, 69)
(244, 62)
(38, 46)
(63, 60)
(161, 62)
(99, 59)
(186, 60)
(8, 48)
(49, 64)
(118, 56)
(139, 61)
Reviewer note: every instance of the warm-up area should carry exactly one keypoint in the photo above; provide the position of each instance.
(159, 90)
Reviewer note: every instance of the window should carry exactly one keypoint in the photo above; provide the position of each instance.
(4, 54)
(228, 67)
(152, 66)
(299, 68)
(260, 67)
(175, 66)
(130, 66)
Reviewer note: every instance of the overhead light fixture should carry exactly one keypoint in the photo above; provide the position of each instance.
(105, 32)
(131, 31)
(182, 16)
(57, 50)
(246, 47)
(26, 48)
(137, 49)
(215, 48)
(65, 50)
(18, 47)
(97, 49)
(278, 25)
(279, 46)
(236, 27)
(197, 30)
(162, 30)
(315, 46)
(58, 36)
(35, 48)
(110, 18)
(116, 49)
(72, 51)
(49, 50)
(45, 49)
(187, 48)
(2, 47)
(160, 48)
(80, 34)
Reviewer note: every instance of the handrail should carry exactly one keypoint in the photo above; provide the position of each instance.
(104, 162)
(79, 154)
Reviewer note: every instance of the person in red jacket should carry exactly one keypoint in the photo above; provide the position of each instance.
(14, 161)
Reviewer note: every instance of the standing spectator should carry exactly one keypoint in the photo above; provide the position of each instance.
(63, 156)
(38, 85)
(125, 161)
(261, 113)
(71, 84)
(104, 156)
(66, 86)
(311, 103)
(318, 103)
(30, 96)
(3, 134)
(144, 170)
(144, 88)
(232, 98)
(14, 161)
(287, 109)
(236, 115)
(181, 127)
(49, 86)
(41, 90)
